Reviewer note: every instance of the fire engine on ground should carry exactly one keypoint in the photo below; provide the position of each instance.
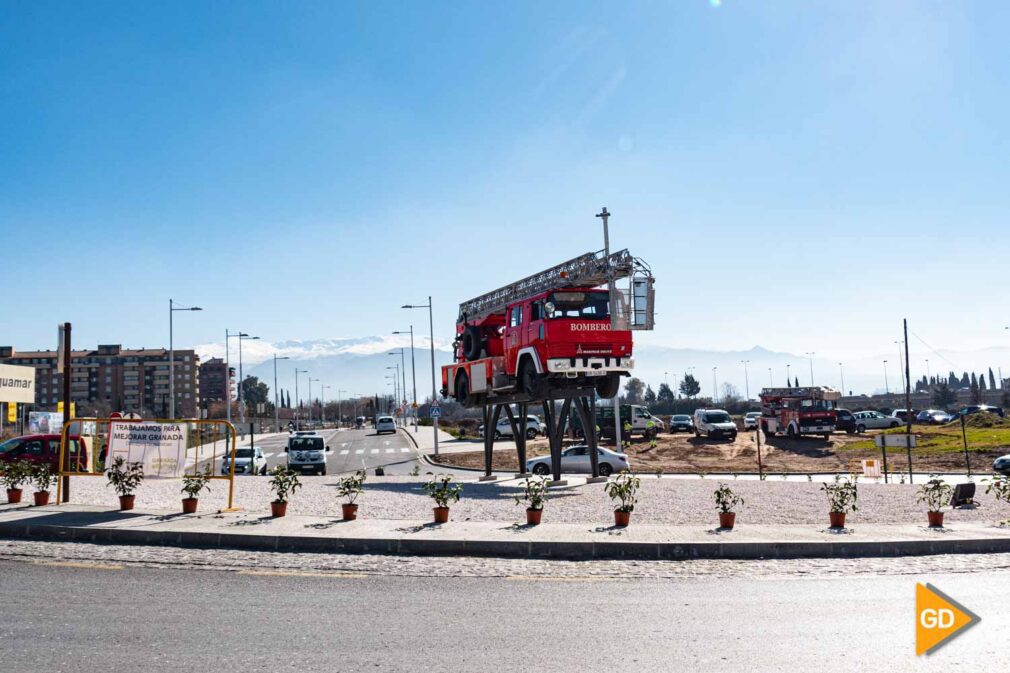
(799, 411)
(557, 329)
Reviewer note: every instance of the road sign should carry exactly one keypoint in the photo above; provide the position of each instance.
(897, 441)
(435, 411)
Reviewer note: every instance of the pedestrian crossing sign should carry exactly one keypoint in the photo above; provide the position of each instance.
(435, 411)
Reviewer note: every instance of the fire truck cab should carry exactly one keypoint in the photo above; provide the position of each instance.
(799, 411)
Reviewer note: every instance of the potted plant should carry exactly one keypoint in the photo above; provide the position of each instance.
(349, 488)
(726, 501)
(14, 476)
(192, 485)
(284, 483)
(43, 480)
(934, 493)
(623, 489)
(841, 499)
(125, 478)
(999, 486)
(535, 496)
(442, 491)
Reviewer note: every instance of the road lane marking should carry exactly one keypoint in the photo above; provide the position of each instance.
(344, 452)
(375, 451)
(404, 450)
(390, 450)
(358, 452)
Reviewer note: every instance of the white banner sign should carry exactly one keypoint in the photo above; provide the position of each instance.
(160, 447)
(17, 384)
(45, 422)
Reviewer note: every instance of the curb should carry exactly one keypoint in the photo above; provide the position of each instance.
(511, 548)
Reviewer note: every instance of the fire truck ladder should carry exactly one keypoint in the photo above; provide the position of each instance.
(589, 270)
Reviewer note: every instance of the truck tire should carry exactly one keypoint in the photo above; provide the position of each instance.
(463, 390)
(608, 388)
(529, 380)
(472, 343)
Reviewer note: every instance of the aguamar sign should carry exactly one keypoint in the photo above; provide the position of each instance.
(17, 384)
(160, 447)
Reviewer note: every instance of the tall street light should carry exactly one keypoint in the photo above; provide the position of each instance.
(746, 379)
(789, 379)
(298, 400)
(322, 402)
(810, 356)
(715, 385)
(841, 374)
(403, 379)
(310, 398)
(277, 415)
(339, 413)
(431, 333)
(887, 390)
(413, 373)
(171, 356)
(228, 336)
(396, 382)
(241, 381)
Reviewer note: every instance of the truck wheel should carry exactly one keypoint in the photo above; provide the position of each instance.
(529, 379)
(463, 389)
(609, 387)
(472, 343)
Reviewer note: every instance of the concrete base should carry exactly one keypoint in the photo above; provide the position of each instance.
(488, 477)
(597, 480)
(523, 475)
(559, 482)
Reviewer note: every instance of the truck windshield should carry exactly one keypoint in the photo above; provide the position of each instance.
(307, 444)
(817, 405)
(581, 305)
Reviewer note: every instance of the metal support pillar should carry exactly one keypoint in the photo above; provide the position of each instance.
(587, 415)
(491, 414)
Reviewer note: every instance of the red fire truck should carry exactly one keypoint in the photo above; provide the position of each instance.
(799, 411)
(554, 329)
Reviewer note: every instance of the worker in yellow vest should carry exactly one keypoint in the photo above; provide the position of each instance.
(626, 435)
(651, 432)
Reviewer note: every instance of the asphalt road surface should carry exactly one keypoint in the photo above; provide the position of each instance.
(349, 450)
(80, 617)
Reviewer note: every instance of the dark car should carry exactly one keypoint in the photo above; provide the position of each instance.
(681, 423)
(1002, 466)
(905, 415)
(45, 449)
(844, 420)
(975, 408)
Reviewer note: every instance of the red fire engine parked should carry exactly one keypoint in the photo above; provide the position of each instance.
(551, 330)
(799, 411)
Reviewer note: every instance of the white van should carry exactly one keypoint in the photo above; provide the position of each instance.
(714, 423)
(307, 453)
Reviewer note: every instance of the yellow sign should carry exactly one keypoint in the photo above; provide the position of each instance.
(938, 618)
(73, 408)
(12, 412)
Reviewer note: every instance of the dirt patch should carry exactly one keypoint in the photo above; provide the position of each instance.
(699, 455)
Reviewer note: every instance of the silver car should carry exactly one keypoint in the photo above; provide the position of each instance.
(385, 424)
(874, 420)
(577, 459)
(247, 461)
(504, 428)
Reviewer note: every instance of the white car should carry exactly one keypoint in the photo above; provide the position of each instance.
(243, 456)
(504, 428)
(714, 423)
(385, 424)
(750, 420)
(874, 420)
(576, 459)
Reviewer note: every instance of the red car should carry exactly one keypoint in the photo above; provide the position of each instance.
(45, 449)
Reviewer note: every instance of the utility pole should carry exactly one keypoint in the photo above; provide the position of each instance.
(67, 367)
(413, 373)
(746, 379)
(887, 389)
(771, 380)
(810, 356)
(298, 400)
(277, 414)
(612, 301)
(241, 380)
(908, 406)
(310, 399)
(715, 385)
(789, 378)
(322, 402)
(841, 374)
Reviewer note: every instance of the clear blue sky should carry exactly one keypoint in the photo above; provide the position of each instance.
(800, 175)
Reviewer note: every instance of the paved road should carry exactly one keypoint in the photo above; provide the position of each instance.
(117, 618)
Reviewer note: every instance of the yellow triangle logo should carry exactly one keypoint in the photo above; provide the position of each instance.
(938, 618)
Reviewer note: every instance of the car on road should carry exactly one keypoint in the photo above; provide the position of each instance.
(385, 424)
(45, 449)
(976, 408)
(306, 453)
(750, 420)
(504, 429)
(1002, 465)
(933, 417)
(577, 459)
(845, 421)
(874, 420)
(243, 457)
(681, 422)
(714, 423)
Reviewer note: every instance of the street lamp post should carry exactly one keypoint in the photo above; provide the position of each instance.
(715, 385)
(339, 405)
(298, 400)
(396, 383)
(241, 380)
(322, 402)
(431, 328)
(171, 356)
(771, 381)
(810, 356)
(403, 380)
(310, 398)
(841, 375)
(277, 415)
(887, 390)
(789, 378)
(746, 378)
(413, 373)
(228, 335)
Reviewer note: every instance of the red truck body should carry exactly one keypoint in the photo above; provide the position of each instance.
(799, 411)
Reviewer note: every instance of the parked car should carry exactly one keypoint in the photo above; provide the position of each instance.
(714, 423)
(243, 457)
(1002, 465)
(975, 408)
(874, 420)
(46, 449)
(307, 453)
(904, 415)
(845, 421)
(681, 422)
(638, 416)
(933, 416)
(577, 459)
(385, 424)
(750, 420)
(504, 428)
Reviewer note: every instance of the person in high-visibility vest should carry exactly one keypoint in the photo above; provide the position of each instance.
(626, 435)
(651, 432)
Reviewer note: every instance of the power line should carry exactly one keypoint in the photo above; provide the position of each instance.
(934, 351)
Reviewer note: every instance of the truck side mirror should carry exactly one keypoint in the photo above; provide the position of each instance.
(285, 449)
(328, 449)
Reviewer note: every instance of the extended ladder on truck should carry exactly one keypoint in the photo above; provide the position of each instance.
(589, 270)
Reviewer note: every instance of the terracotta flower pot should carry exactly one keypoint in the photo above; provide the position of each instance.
(727, 520)
(533, 516)
(41, 498)
(13, 495)
(837, 519)
(126, 501)
(935, 519)
(189, 505)
(621, 518)
(278, 509)
(441, 515)
(350, 511)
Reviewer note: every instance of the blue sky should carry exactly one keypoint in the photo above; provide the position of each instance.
(800, 175)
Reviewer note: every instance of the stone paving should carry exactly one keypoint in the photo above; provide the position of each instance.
(378, 565)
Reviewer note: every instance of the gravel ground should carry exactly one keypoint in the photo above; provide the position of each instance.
(661, 501)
